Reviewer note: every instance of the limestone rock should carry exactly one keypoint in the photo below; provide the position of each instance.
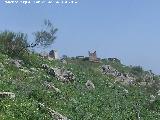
(152, 98)
(7, 94)
(62, 74)
(45, 66)
(55, 115)
(16, 62)
(89, 84)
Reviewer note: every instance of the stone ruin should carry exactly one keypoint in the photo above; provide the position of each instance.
(53, 54)
(80, 57)
(93, 57)
(114, 60)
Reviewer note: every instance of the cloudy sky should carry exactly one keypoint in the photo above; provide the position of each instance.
(126, 29)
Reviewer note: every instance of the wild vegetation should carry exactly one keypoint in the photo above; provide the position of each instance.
(36, 100)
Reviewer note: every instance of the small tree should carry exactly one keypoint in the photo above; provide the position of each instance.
(46, 36)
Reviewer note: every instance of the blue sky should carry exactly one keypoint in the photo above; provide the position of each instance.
(126, 29)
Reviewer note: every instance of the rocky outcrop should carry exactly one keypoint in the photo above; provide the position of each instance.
(124, 79)
(55, 115)
(64, 75)
(60, 73)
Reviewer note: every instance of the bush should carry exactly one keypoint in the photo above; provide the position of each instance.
(12, 43)
(137, 71)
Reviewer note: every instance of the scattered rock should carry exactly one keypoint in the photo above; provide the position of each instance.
(2, 68)
(123, 78)
(7, 94)
(25, 70)
(64, 61)
(51, 71)
(55, 115)
(1, 65)
(158, 92)
(33, 69)
(152, 98)
(62, 74)
(45, 66)
(89, 84)
(50, 85)
(126, 91)
(143, 83)
(109, 70)
(16, 62)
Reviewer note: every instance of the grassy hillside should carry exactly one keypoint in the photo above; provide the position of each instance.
(108, 101)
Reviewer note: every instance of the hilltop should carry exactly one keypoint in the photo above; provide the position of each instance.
(36, 88)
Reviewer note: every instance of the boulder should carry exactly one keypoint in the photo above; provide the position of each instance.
(89, 84)
(109, 70)
(51, 72)
(45, 66)
(7, 94)
(62, 74)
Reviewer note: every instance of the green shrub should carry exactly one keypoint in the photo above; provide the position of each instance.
(136, 70)
(13, 44)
